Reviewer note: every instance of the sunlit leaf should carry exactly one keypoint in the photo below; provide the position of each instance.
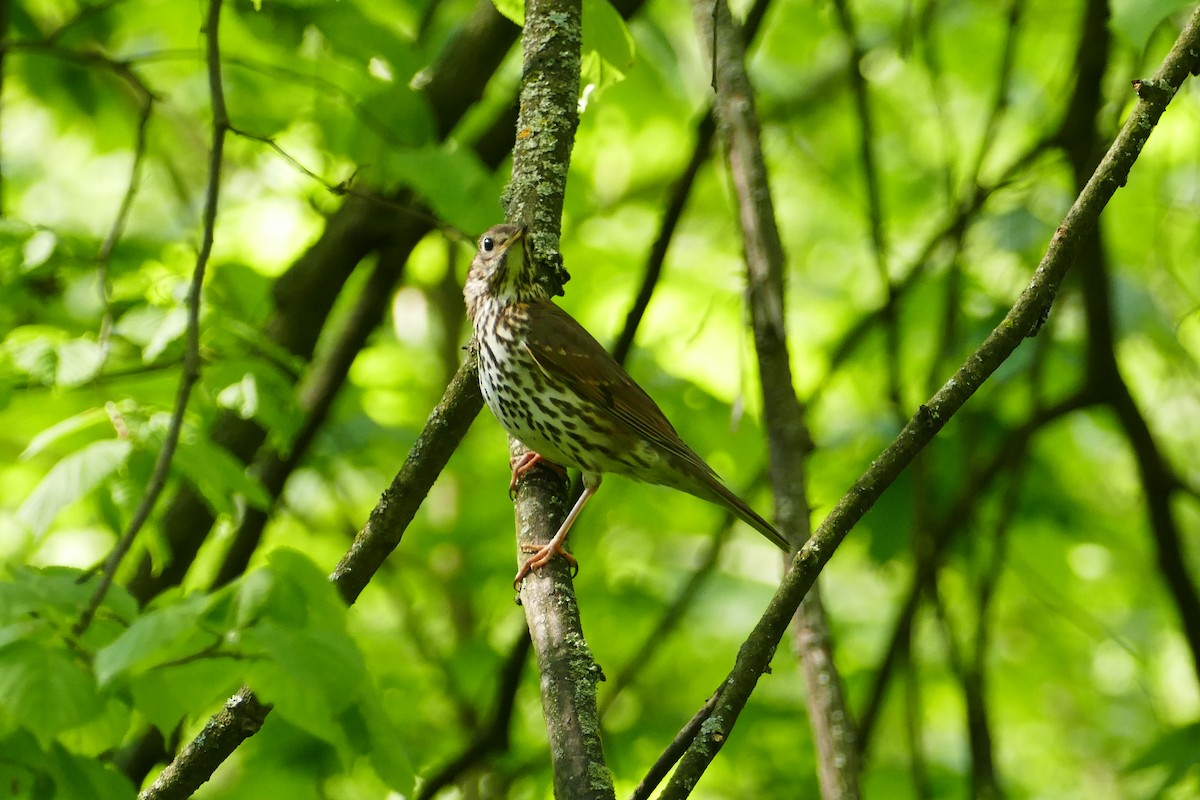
(70, 479)
(608, 49)
(62, 429)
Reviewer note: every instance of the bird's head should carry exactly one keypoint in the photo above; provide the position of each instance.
(500, 272)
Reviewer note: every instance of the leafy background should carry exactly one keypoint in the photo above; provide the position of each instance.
(1048, 589)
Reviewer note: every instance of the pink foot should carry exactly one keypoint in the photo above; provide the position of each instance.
(540, 558)
(522, 464)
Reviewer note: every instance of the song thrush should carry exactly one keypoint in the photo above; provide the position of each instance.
(557, 390)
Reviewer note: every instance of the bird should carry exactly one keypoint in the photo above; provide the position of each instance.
(556, 389)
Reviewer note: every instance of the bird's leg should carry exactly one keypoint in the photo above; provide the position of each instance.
(525, 462)
(541, 556)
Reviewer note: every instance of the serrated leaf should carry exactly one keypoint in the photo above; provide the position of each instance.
(70, 479)
(46, 690)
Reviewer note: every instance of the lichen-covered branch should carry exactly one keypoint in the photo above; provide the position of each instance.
(541, 156)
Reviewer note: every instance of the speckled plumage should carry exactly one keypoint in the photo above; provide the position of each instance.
(557, 390)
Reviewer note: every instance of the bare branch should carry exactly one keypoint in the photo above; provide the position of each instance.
(787, 433)
(241, 718)
(1023, 319)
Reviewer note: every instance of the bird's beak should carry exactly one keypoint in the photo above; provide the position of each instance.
(516, 237)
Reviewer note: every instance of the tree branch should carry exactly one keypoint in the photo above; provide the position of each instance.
(546, 126)
(1023, 319)
(787, 433)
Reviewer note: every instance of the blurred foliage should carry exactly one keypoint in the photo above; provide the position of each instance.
(1048, 582)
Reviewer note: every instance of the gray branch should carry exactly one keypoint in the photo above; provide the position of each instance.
(1023, 320)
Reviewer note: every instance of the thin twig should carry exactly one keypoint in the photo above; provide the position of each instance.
(104, 256)
(675, 750)
(875, 218)
(191, 359)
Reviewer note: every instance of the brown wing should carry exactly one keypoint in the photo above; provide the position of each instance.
(567, 353)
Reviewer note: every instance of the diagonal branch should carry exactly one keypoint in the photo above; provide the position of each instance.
(1023, 319)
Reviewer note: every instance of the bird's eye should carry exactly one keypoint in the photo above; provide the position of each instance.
(488, 244)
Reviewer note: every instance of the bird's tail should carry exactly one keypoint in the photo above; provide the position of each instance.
(719, 492)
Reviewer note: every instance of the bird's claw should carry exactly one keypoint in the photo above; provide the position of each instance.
(522, 464)
(540, 558)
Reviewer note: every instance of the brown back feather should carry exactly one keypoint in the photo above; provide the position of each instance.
(566, 352)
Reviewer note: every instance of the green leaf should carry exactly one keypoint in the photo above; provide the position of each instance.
(166, 695)
(38, 249)
(291, 591)
(218, 475)
(80, 776)
(153, 328)
(453, 182)
(512, 9)
(168, 633)
(62, 429)
(309, 677)
(25, 768)
(103, 732)
(46, 689)
(1175, 750)
(254, 389)
(387, 751)
(79, 361)
(70, 479)
(241, 398)
(56, 593)
(608, 48)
